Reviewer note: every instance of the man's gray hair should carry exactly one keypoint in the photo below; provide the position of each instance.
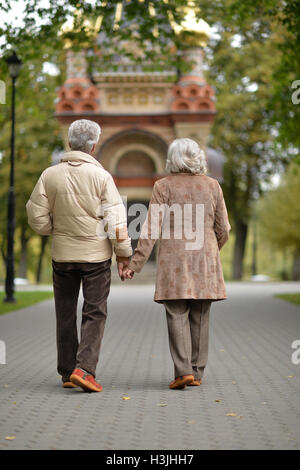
(185, 155)
(83, 134)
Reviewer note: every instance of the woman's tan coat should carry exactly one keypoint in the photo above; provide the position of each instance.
(78, 203)
(186, 271)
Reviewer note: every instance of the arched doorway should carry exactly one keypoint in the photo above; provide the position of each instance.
(135, 164)
(136, 169)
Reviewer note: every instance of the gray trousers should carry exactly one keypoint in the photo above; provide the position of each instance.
(188, 328)
(95, 280)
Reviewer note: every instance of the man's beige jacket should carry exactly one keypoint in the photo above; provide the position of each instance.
(78, 203)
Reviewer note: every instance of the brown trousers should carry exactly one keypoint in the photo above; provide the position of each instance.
(188, 328)
(67, 278)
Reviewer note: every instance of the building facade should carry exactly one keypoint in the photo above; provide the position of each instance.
(140, 113)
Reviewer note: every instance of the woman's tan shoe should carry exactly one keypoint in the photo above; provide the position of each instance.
(195, 383)
(181, 382)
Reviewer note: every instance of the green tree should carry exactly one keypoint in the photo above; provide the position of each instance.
(241, 60)
(285, 14)
(279, 215)
(37, 136)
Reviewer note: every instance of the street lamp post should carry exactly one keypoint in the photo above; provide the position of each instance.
(14, 65)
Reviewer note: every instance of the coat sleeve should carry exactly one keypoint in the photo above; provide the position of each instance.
(150, 232)
(221, 224)
(38, 209)
(115, 219)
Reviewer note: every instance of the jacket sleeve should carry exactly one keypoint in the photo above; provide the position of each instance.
(221, 225)
(38, 209)
(150, 232)
(115, 219)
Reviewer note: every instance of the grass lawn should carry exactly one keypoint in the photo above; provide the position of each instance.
(24, 299)
(294, 298)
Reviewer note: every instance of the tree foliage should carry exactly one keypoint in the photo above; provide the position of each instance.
(37, 135)
(279, 211)
(241, 61)
(145, 22)
(285, 14)
(279, 216)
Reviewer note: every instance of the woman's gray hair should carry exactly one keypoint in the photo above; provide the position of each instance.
(185, 155)
(83, 134)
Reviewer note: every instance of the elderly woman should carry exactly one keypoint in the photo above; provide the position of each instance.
(185, 205)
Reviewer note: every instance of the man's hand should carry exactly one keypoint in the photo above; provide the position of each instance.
(122, 265)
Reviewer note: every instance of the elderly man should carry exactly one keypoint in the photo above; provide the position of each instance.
(78, 203)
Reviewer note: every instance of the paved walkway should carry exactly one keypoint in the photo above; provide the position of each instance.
(250, 398)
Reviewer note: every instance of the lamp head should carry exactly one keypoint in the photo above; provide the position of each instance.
(14, 64)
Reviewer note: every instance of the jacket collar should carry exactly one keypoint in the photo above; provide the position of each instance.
(78, 156)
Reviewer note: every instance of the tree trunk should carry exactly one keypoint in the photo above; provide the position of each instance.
(23, 255)
(44, 240)
(296, 266)
(241, 230)
(254, 247)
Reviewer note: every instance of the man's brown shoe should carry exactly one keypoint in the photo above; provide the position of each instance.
(85, 380)
(69, 384)
(181, 382)
(195, 383)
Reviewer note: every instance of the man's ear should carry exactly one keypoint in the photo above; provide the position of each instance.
(93, 148)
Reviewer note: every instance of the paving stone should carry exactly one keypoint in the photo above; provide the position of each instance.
(249, 373)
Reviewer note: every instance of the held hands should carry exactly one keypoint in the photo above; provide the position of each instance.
(128, 273)
(123, 270)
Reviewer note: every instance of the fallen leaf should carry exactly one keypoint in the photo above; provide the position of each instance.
(10, 438)
(126, 398)
(191, 422)
(222, 350)
(231, 414)
(234, 382)
(162, 404)
(290, 376)
(218, 401)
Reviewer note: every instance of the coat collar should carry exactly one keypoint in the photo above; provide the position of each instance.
(186, 173)
(78, 156)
